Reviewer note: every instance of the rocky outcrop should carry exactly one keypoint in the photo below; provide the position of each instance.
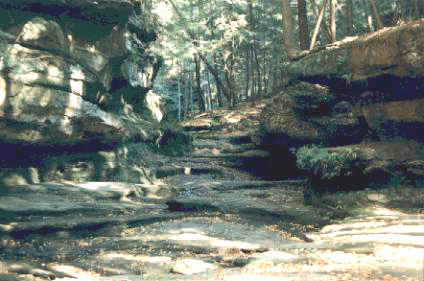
(307, 114)
(73, 78)
(372, 111)
(393, 55)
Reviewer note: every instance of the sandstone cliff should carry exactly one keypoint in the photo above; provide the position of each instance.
(363, 111)
(73, 80)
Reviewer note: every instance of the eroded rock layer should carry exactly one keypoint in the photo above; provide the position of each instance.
(362, 121)
(73, 78)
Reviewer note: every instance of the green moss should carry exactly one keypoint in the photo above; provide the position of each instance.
(328, 164)
(312, 103)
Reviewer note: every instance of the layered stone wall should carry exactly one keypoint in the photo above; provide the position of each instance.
(73, 79)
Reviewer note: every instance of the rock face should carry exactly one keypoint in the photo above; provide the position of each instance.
(371, 108)
(388, 56)
(73, 78)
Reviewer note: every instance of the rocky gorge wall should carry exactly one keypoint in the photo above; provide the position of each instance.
(73, 81)
(356, 120)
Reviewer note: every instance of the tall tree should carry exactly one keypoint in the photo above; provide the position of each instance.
(318, 24)
(333, 14)
(349, 17)
(303, 24)
(376, 15)
(289, 39)
(199, 90)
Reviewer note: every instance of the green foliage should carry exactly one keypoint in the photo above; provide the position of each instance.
(327, 163)
(307, 102)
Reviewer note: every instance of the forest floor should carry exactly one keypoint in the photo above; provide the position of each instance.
(207, 220)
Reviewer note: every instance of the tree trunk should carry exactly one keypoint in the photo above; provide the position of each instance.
(179, 93)
(290, 44)
(417, 4)
(318, 25)
(229, 73)
(258, 74)
(377, 18)
(210, 100)
(247, 88)
(316, 10)
(200, 93)
(186, 96)
(209, 66)
(249, 56)
(190, 93)
(303, 24)
(349, 17)
(218, 85)
(333, 13)
(368, 17)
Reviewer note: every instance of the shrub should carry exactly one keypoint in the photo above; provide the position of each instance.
(325, 163)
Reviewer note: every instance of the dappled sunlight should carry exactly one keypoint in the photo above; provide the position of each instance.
(164, 11)
(154, 105)
(3, 93)
(401, 257)
(74, 105)
(73, 271)
(254, 277)
(210, 241)
(77, 86)
(395, 239)
(279, 255)
(137, 258)
(373, 230)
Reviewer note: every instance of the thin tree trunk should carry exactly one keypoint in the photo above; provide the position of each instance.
(316, 10)
(318, 25)
(229, 74)
(290, 44)
(190, 95)
(218, 86)
(303, 24)
(368, 16)
(200, 93)
(209, 66)
(248, 54)
(186, 96)
(210, 100)
(179, 92)
(349, 17)
(333, 13)
(417, 8)
(258, 74)
(377, 17)
(247, 89)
